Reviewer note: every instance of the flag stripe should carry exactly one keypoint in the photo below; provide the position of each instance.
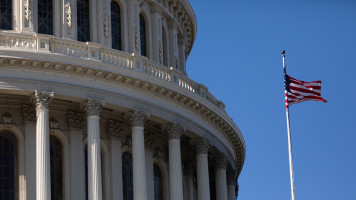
(298, 91)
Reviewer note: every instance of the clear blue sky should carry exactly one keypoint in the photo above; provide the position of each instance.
(237, 55)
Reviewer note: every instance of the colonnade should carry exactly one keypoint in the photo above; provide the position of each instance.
(225, 185)
(166, 44)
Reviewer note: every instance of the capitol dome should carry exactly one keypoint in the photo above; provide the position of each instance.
(95, 103)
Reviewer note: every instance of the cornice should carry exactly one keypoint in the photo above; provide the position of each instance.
(139, 81)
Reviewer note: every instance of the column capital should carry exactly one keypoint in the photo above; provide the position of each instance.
(92, 106)
(75, 119)
(137, 117)
(202, 145)
(221, 161)
(29, 113)
(231, 176)
(113, 129)
(42, 99)
(173, 130)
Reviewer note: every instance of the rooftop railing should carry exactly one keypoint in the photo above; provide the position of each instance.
(119, 59)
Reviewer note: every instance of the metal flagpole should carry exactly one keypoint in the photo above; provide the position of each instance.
(291, 173)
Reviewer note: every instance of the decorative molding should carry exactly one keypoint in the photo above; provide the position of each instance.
(106, 23)
(42, 99)
(137, 39)
(53, 123)
(68, 11)
(231, 176)
(202, 145)
(7, 119)
(113, 128)
(27, 9)
(75, 119)
(221, 161)
(149, 140)
(159, 155)
(92, 107)
(173, 130)
(29, 113)
(160, 52)
(205, 109)
(137, 118)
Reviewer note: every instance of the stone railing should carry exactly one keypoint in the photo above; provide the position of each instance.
(97, 52)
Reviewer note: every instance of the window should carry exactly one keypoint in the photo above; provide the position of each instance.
(8, 166)
(56, 164)
(6, 14)
(143, 36)
(158, 182)
(83, 25)
(127, 176)
(45, 17)
(116, 26)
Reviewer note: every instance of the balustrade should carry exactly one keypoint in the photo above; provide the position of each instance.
(106, 55)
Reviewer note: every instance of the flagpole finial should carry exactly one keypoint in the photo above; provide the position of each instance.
(283, 52)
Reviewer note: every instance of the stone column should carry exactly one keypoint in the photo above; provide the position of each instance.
(156, 34)
(75, 123)
(231, 183)
(138, 119)
(42, 100)
(202, 145)
(181, 52)
(220, 177)
(29, 114)
(93, 108)
(174, 132)
(113, 130)
(173, 44)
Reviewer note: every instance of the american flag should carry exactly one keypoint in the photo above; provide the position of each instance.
(298, 91)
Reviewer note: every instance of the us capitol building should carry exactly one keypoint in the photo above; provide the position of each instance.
(95, 103)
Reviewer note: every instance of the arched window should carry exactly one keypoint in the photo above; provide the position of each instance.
(143, 35)
(127, 176)
(158, 182)
(87, 170)
(116, 26)
(164, 44)
(56, 164)
(45, 16)
(8, 166)
(6, 14)
(83, 25)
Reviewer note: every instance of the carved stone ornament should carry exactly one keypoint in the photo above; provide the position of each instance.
(173, 130)
(53, 123)
(202, 145)
(106, 24)
(160, 50)
(75, 119)
(158, 154)
(137, 118)
(92, 107)
(231, 176)
(68, 11)
(113, 129)
(7, 119)
(137, 39)
(42, 99)
(27, 9)
(29, 113)
(221, 161)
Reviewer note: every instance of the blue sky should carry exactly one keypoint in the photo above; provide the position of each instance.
(237, 55)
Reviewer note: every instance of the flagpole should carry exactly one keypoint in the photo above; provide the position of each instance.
(291, 173)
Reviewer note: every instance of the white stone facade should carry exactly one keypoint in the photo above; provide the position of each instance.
(101, 103)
